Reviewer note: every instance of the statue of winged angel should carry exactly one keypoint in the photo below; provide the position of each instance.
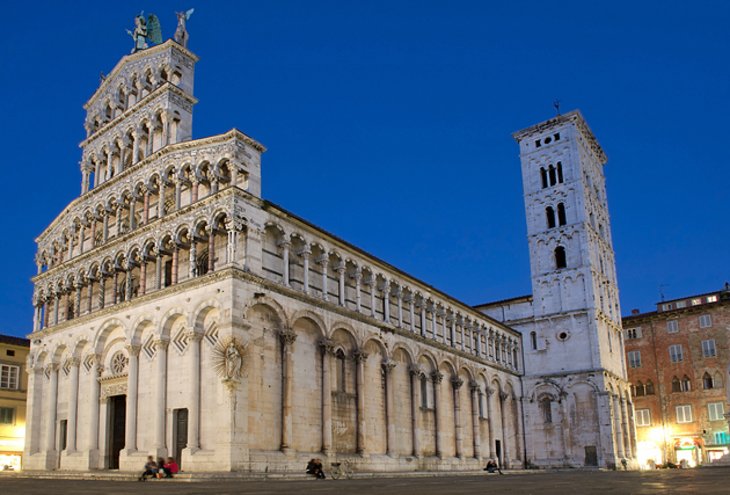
(145, 30)
(181, 33)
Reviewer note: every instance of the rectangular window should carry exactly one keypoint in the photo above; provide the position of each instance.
(681, 304)
(705, 321)
(711, 299)
(634, 359)
(716, 411)
(643, 417)
(672, 326)
(684, 414)
(708, 348)
(722, 438)
(696, 301)
(7, 415)
(633, 333)
(9, 376)
(675, 353)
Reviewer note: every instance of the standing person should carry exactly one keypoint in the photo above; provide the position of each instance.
(150, 469)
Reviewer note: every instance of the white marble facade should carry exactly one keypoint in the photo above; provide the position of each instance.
(178, 313)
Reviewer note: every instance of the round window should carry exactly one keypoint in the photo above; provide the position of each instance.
(563, 336)
(119, 363)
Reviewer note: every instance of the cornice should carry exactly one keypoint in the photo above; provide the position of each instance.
(133, 57)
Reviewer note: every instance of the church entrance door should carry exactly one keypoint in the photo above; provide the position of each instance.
(117, 417)
(591, 456)
(181, 433)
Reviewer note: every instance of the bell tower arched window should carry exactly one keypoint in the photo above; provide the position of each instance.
(546, 410)
(551, 172)
(533, 340)
(560, 260)
(561, 214)
(550, 214)
(543, 177)
(560, 172)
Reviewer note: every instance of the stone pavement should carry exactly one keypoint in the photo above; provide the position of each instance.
(705, 481)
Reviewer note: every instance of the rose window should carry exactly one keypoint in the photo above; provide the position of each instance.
(119, 363)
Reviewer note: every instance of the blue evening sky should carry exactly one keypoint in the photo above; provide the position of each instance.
(388, 123)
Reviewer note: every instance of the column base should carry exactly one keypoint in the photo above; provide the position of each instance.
(132, 460)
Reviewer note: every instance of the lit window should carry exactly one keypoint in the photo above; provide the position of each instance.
(9, 376)
(684, 413)
(716, 411)
(672, 326)
(711, 299)
(696, 301)
(676, 355)
(705, 321)
(634, 359)
(708, 348)
(722, 438)
(643, 417)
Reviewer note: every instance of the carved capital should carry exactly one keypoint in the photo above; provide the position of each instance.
(503, 396)
(415, 370)
(162, 344)
(287, 336)
(51, 367)
(327, 346)
(359, 355)
(194, 336)
(74, 361)
(456, 382)
(437, 376)
(474, 386)
(133, 349)
(489, 391)
(388, 365)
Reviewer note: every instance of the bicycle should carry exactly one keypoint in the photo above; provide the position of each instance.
(340, 469)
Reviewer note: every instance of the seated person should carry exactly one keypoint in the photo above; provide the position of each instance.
(169, 468)
(150, 469)
(492, 467)
(314, 467)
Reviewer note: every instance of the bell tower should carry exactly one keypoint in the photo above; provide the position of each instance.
(578, 409)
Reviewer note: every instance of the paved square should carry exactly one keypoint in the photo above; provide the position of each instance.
(705, 481)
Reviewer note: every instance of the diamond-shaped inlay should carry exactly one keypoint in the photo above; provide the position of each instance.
(211, 335)
(89, 362)
(149, 347)
(181, 341)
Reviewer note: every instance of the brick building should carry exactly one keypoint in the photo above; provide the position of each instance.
(13, 390)
(677, 359)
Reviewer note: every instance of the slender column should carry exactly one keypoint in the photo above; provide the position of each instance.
(143, 275)
(490, 421)
(288, 337)
(120, 209)
(388, 366)
(416, 374)
(423, 317)
(52, 409)
(128, 283)
(618, 433)
(146, 207)
(73, 404)
(412, 312)
(94, 403)
(132, 212)
(130, 430)
(102, 291)
(285, 245)
(161, 200)
(77, 299)
(36, 317)
(232, 243)
(505, 444)
(82, 233)
(192, 260)
(90, 296)
(105, 231)
(452, 330)
(165, 130)
(358, 292)
(115, 288)
(386, 301)
(341, 288)
(194, 413)
(373, 287)
(478, 338)
(70, 242)
(161, 394)
(327, 348)
(360, 357)
(109, 164)
(621, 404)
(211, 249)
(632, 428)
(175, 256)
(158, 271)
(178, 194)
(456, 384)
(194, 189)
(135, 146)
(56, 304)
(324, 262)
(436, 378)
(97, 174)
(93, 232)
(305, 259)
(399, 295)
(150, 135)
(474, 387)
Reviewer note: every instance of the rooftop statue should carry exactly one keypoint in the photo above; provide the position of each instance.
(145, 30)
(181, 33)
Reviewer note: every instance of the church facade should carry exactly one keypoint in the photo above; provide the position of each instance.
(177, 313)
